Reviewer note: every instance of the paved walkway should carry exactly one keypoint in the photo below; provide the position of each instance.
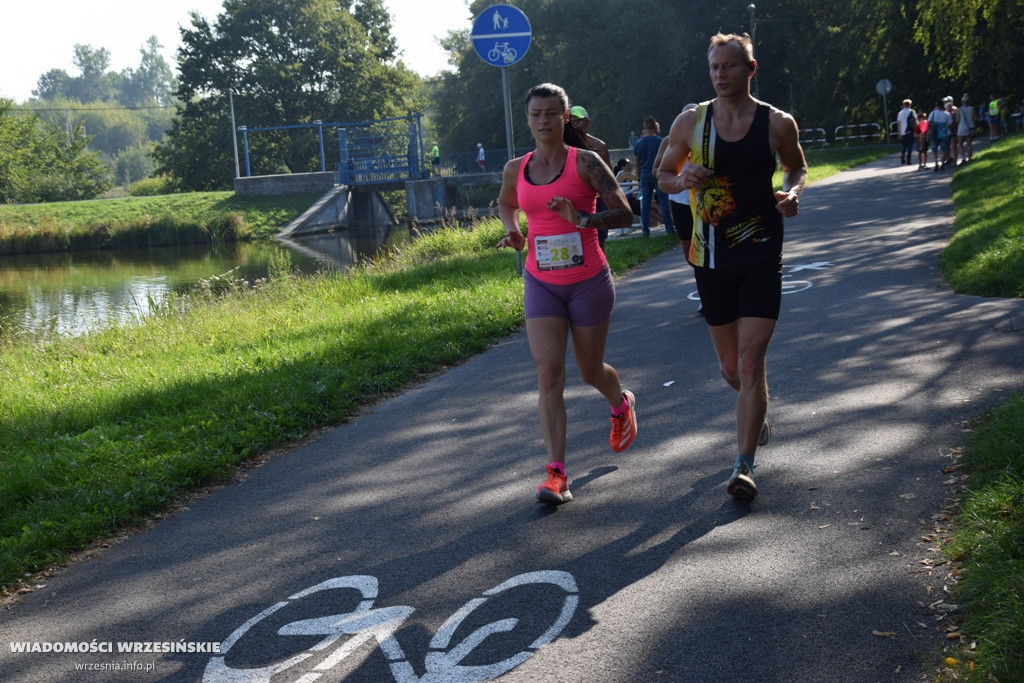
(414, 525)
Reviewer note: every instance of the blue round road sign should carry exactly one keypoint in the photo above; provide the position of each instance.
(501, 35)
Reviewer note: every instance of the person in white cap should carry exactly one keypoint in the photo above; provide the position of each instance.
(481, 159)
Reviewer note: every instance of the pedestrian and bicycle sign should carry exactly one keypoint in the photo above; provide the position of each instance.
(501, 35)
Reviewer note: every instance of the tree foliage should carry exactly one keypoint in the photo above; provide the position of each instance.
(283, 62)
(151, 84)
(819, 61)
(41, 163)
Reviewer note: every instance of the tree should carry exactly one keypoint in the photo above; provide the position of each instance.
(621, 64)
(819, 61)
(41, 163)
(979, 44)
(285, 62)
(93, 84)
(153, 83)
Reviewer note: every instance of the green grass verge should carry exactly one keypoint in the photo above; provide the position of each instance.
(193, 218)
(985, 257)
(988, 545)
(986, 252)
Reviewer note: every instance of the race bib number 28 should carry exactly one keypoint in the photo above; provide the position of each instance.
(555, 252)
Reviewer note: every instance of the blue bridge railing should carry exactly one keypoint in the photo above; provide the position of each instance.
(367, 151)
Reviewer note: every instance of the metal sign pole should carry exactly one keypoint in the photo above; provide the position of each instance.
(510, 140)
(501, 35)
(234, 131)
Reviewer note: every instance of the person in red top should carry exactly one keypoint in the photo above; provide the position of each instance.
(567, 285)
(921, 133)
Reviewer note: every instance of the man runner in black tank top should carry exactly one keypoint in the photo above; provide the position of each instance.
(724, 152)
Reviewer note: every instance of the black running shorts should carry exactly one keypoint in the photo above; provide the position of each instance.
(727, 295)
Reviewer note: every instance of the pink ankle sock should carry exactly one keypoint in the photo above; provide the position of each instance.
(557, 466)
(623, 407)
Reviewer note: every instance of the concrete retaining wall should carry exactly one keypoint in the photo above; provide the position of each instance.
(286, 183)
(451, 197)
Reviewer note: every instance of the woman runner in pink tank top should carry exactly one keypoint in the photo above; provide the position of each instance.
(568, 288)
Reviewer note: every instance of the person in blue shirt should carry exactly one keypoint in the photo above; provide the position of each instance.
(644, 153)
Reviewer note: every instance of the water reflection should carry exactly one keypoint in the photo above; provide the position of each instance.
(73, 293)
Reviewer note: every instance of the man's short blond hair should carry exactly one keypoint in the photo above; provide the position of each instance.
(740, 40)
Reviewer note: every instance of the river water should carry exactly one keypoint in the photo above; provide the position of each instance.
(72, 293)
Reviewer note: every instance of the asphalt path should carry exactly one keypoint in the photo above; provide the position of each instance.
(406, 545)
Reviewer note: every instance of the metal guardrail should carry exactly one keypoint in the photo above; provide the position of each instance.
(858, 131)
(812, 135)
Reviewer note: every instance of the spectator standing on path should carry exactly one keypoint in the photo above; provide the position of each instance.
(965, 129)
(481, 158)
(906, 120)
(724, 152)
(595, 145)
(632, 139)
(939, 122)
(644, 153)
(567, 284)
(435, 160)
(994, 112)
(921, 135)
(954, 115)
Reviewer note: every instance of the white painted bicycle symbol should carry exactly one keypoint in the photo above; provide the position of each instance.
(502, 50)
(365, 624)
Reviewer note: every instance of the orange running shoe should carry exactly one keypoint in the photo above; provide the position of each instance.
(555, 489)
(624, 426)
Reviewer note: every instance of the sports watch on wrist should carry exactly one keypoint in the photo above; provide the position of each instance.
(583, 217)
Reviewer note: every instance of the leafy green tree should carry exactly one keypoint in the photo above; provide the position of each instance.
(52, 84)
(152, 83)
(134, 164)
(16, 134)
(284, 62)
(819, 61)
(622, 62)
(977, 43)
(41, 163)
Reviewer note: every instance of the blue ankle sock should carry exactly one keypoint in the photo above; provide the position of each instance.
(748, 459)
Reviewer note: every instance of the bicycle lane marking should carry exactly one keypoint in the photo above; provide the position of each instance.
(366, 624)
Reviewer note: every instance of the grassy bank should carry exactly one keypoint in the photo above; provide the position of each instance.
(986, 257)
(194, 218)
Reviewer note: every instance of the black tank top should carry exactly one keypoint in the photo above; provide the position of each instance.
(740, 224)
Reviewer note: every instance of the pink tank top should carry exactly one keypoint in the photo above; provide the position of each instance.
(552, 238)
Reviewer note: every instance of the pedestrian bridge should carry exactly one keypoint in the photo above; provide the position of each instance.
(429, 201)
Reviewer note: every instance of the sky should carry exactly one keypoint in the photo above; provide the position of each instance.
(39, 35)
